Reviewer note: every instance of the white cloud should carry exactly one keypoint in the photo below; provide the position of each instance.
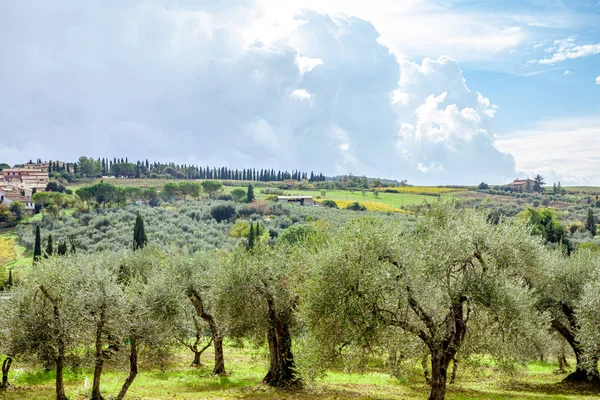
(560, 150)
(598, 80)
(567, 72)
(307, 64)
(569, 49)
(301, 94)
(410, 28)
(446, 129)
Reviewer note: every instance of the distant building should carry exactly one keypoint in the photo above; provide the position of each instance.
(24, 180)
(8, 198)
(301, 200)
(521, 185)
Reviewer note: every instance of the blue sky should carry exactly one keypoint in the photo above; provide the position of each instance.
(436, 92)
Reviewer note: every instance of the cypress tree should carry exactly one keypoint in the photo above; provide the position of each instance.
(139, 233)
(37, 248)
(62, 248)
(73, 248)
(251, 237)
(9, 282)
(49, 249)
(250, 194)
(590, 223)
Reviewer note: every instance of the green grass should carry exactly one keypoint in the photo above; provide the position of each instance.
(248, 366)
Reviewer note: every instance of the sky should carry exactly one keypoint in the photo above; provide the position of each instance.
(434, 92)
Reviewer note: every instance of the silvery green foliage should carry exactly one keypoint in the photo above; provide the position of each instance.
(588, 310)
(185, 226)
(73, 284)
(373, 276)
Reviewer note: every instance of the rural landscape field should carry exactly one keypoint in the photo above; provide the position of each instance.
(303, 200)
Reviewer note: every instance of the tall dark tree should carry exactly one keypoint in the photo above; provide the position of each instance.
(251, 236)
(9, 282)
(139, 233)
(37, 248)
(62, 248)
(49, 247)
(250, 194)
(538, 183)
(590, 222)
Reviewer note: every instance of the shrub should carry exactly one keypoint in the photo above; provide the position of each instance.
(224, 197)
(330, 204)
(223, 212)
(356, 206)
(272, 197)
(238, 194)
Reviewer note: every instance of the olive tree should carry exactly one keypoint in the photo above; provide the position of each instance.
(588, 318)
(256, 298)
(194, 278)
(152, 308)
(561, 284)
(431, 282)
(48, 314)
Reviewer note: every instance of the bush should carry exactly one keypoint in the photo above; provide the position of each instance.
(272, 197)
(356, 206)
(330, 204)
(224, 197)
(238, 194)
(223, 212)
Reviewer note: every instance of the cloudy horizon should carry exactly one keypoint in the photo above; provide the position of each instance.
(428, 91)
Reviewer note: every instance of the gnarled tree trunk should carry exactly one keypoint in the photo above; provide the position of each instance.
(96, 395)
(61, 347)
(5, 369)
(133, 368)
(198, 352)
(581, 373)
(282, 370)
(217, 338)
(439, 375)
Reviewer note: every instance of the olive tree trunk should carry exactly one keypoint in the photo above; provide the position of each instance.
(133, 368)
(217, 338)
(583, 373)
(99, 364)
(5, 369)
(282, 370)
(61, 347)
(439, 376)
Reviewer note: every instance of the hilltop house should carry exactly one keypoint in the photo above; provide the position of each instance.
(521, 185)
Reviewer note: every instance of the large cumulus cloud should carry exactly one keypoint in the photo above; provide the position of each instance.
(183, 81)
(446, 130)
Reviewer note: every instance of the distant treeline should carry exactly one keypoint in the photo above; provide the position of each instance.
(122, 167)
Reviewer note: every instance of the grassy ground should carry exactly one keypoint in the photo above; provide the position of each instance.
(247, 367)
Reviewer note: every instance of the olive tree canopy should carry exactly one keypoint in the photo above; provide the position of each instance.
(431, 282)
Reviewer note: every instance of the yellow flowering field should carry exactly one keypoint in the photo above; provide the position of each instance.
(370, 205)
(424, 190)
(7, 251)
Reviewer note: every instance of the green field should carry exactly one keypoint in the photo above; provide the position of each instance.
(248, 366)
(397, 200)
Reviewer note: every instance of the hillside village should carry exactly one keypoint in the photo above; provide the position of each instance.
(21, 183)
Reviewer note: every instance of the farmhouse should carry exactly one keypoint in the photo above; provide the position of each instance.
(521, 185)
(302, 200)
(7, 198)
